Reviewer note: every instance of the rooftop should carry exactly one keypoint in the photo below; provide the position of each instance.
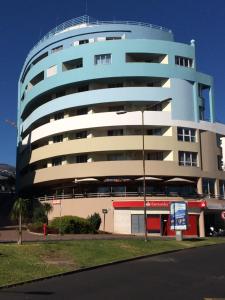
(87, 21)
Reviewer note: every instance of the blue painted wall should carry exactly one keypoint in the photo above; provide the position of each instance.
(141, 39)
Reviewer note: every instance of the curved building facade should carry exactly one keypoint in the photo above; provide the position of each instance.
(90, 94)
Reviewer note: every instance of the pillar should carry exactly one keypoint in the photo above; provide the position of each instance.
(199, 186)
(196, 104)
(217, 188)
(201, 224)
(211, 104)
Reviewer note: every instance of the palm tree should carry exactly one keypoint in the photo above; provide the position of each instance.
(20, 211)
(47, 208)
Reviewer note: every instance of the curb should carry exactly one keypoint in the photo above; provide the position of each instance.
(101, 266)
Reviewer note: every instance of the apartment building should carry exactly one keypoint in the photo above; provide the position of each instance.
(96, 101)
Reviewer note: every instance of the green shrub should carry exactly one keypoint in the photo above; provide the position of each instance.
(38, 228)
(72, 224)
(95, 221)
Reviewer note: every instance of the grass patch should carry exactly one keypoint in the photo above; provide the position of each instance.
(36, 260)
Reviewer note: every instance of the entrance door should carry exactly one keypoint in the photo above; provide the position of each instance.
(137, 224)
(153, 224)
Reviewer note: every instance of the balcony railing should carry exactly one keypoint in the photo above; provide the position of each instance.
(129, 194)
(86, 20)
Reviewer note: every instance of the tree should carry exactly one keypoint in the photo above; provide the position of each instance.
(47, 208)
(95, 221)
(20, 212)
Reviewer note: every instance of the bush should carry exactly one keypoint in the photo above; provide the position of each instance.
(72, 224)
(35, 227)
(38, 228)
(95, 221)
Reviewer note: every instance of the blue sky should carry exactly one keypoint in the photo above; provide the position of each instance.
(23, 23)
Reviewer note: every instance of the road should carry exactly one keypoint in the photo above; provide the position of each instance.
(189, 274)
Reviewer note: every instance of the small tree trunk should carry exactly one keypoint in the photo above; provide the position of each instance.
(20, 230)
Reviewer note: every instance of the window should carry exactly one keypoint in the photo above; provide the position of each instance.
(220, 162)
(72, 64)
(58, 138)
(155, 156)
(116, 108)
(81, 159)
(184, 61)
(208, 186)
(57, 161)
(82, 88)
(154, 131)
(103, 59)
(187, 158)
(52, 71)
(81, 134)
(145, 58)
(222, 188)
(186, 134)
(57, 49)
(115, 85)
(81, 42)
(115, 132)
(34, 62)
(35, 80)
(60, 94)
(23, 96)
(218, 140)
(58, 116)
(110, 38)
(82, 111)
(116, 156)
(39, 58)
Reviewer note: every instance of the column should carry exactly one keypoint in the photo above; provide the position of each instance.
(201, 224)
(199, 186)
(195, 99)
(211, 104)
(217, 188)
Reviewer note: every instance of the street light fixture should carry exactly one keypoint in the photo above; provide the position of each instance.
(143, 160)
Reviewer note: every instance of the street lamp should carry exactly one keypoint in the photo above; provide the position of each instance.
(143, 159)
(143, 163)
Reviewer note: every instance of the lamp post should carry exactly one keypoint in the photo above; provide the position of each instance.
(144, 181)
(143, 163)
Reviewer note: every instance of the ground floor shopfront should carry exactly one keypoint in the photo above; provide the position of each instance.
(126, 215)
(129, 218)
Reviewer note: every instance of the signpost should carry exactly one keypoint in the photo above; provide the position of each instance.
(104, 211)
(178, 218)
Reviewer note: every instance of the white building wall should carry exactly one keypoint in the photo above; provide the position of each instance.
(122, 221)
(223, 151)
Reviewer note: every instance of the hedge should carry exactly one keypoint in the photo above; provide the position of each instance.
(72, 224)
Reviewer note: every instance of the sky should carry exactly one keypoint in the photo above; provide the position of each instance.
(24, 22)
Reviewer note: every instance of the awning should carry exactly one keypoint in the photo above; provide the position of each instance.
(215, 204)
(149, 179)
(179, 180)
(117, 179)
(86, 180)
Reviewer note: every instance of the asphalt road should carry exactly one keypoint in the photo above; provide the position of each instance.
(187, 275)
